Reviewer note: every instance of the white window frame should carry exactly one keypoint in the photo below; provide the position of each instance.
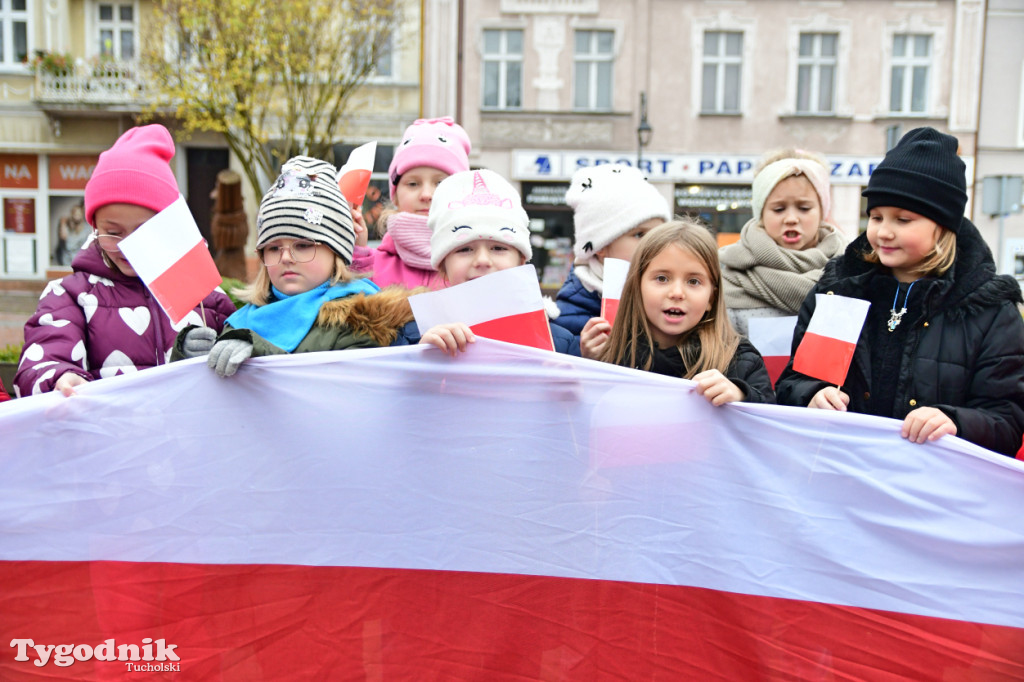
(590, 60)
(392, 75)
(9, 16)
(721, 62)
(94, 26)
(724, 22)
(937, 76)
(503, 58)
(908, 63)
(1020, 110)
(820, 23)
(817, 63)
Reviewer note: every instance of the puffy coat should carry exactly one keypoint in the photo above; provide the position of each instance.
(963, 353)
(98, 322)
(358, 321)
(577, 304)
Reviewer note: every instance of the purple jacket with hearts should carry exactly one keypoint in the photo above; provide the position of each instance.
(97, 323)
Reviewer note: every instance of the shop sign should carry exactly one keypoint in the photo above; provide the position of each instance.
(71, 172)
(19, 171)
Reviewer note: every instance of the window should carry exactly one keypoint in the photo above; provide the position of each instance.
(593, 60)
(816, 73)
(382, 68)
(723, 66)
(13, 32)
(503, 69)
(911, 65)
(116, 30)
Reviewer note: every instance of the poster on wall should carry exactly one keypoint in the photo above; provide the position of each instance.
(19, 215)
(68, 229)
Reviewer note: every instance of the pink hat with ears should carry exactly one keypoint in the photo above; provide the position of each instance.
(136, 170)
(439, 143)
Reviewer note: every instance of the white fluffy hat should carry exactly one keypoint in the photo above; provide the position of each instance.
(476, 204)
(608, 201)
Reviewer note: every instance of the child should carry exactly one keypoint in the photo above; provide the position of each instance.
(672, 320)
(783, 248)
(479, 227)
(942, 348)
(304, 298)
(430, 151)
(613, 207)
(101, 320)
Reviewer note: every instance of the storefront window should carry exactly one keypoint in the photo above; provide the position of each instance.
(724, 209)
(552, 230)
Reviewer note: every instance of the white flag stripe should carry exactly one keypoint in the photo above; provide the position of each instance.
(500, 294)
(161, 241)
(361, 158)
(838, 317)
(772, 336)
(496, 463)
(615, 271)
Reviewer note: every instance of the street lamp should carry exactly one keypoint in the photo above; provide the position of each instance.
(643, 131)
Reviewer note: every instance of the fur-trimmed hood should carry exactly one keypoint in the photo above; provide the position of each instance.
(379, 316)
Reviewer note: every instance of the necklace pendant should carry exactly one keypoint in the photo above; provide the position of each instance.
(895, 318)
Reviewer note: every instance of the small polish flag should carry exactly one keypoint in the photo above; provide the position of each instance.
(615, 271)
(773, 339)
(826, 350)
(170, 257)
(504, 306)
(354, 176)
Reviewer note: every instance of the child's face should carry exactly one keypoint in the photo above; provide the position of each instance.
(415, 189)
(625, 246)
(478, 258)
(677, 291)
(902, 239)
(114, 222)
(290, 276)
(792, 214)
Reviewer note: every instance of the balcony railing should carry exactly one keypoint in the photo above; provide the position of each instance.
(109, 83)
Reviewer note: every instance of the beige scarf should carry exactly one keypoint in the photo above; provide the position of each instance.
(758, 273)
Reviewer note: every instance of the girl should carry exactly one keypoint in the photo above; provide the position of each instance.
(942, 348)
(613, 207)
(101, 320)
(479, 227)
(783, 248)
(672, 320)
(430, 151)
(304, 297)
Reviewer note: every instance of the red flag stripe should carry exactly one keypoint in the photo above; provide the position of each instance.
(525, 329)
(188, 280)
(264, 622)
(824, 357)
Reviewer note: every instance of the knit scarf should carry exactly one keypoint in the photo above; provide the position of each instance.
(591, 275)
(411, 236)
(758, 273)
(286, 321)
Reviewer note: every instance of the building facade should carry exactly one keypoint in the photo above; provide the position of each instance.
(548, 86)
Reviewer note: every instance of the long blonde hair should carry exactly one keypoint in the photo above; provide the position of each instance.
(258, 293)
(711, 343)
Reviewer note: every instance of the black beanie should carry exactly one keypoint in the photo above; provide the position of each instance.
(923, 174)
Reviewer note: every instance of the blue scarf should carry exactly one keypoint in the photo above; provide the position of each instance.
(286, 321)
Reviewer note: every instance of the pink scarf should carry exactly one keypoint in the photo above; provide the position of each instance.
(412, 239)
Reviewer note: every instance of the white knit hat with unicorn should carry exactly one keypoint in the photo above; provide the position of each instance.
(476, 204)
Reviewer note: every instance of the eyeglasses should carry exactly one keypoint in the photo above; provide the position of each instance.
(108, 242)
(301, 251)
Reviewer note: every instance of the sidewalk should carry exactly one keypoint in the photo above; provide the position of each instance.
(18, 299)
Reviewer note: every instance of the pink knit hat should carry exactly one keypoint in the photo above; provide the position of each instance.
(135, 170)
(439, 143)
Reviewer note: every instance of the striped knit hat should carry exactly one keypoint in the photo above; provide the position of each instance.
(305, 203)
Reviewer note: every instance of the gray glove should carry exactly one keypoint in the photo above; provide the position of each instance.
(227, 355)
(198, 341)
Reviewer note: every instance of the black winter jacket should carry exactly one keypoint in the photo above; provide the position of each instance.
(963, 351)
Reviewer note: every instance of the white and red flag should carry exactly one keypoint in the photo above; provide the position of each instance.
(354, 176)
(506, 306)
(170, 256)
(773, 339)
(517, 515)
(826, 349)
(615, 272)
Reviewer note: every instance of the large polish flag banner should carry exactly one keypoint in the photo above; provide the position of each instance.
(773, 339)
(615, 272)
(505, 306)
(826, 349)
(477, 520)
(170, 256)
